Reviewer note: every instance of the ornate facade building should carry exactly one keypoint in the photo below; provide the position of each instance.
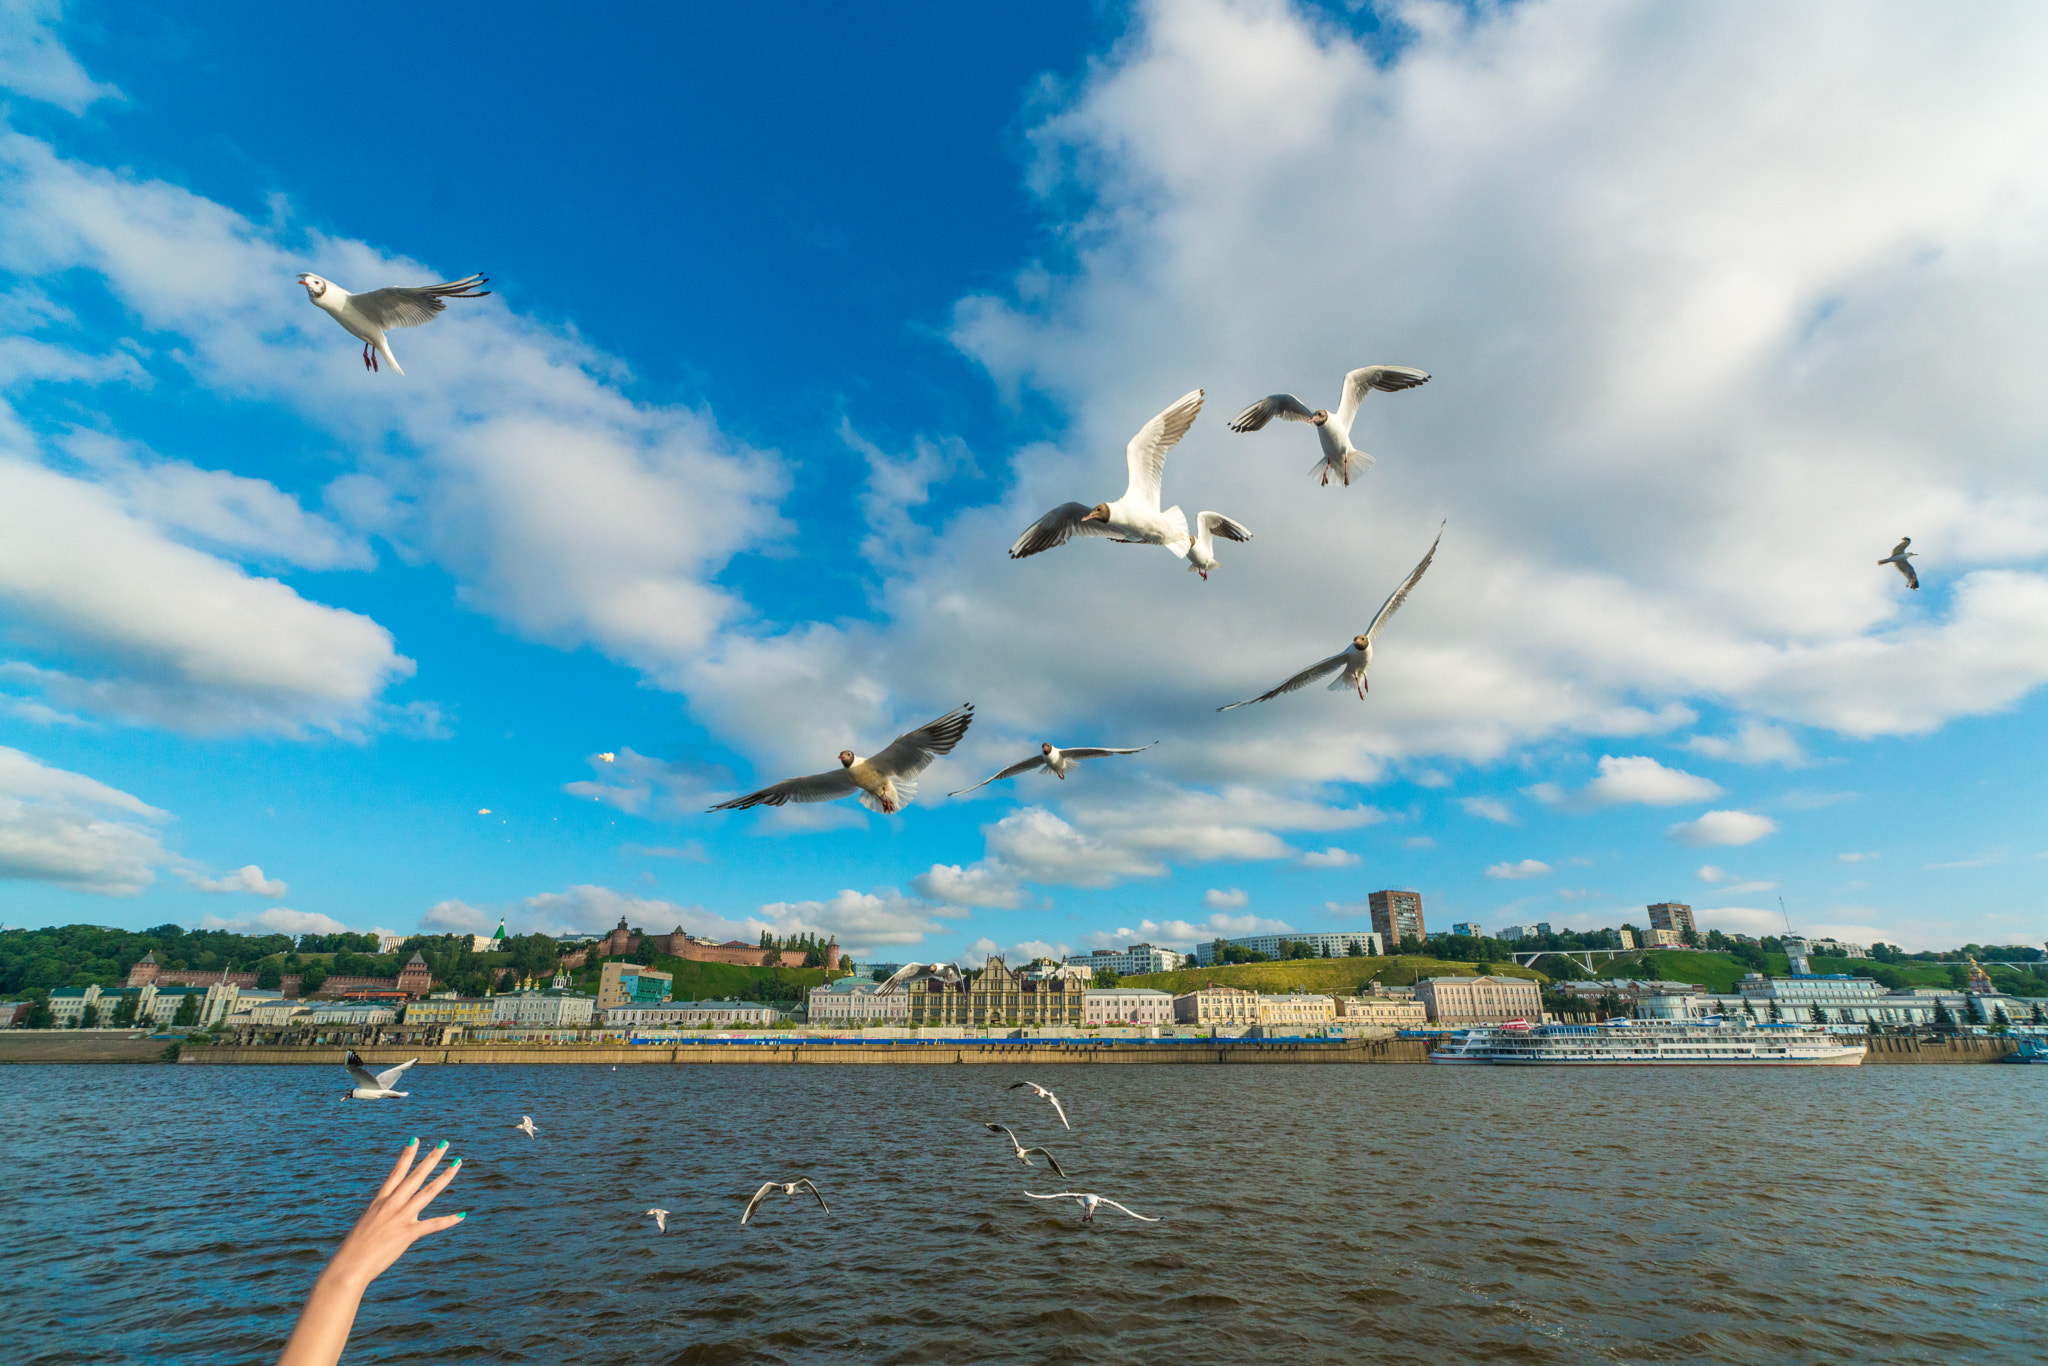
(998, 997)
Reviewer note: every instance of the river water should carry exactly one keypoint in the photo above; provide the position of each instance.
(1308, 1214)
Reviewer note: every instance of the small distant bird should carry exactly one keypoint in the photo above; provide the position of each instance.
(1340, 457)
(1899, 556)
(1024, 1153)
(1043, 1094)
(1089, 1203)
(483, 811)
(1350, 666)
(787, 1188)
(369, 316)
(885, 782)
(660, 1219)
(1136, 518)
(608, 757)
(374, 1086)
(525, 1126)
(1058, 762)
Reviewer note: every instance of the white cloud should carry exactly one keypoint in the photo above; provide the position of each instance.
(1218, 900)
(1709, 873)
(1722, 827)
(1333, 857)
(73, 831)
(1185, 934)
(1857, 858)
(1527, 867)
(1419, 842)
(456, 917)
(981, 885)
(1754, 742)
(246, 879)
(284, 920)
(1488, 808)
(1635, 779)
(1031, 950)
(35, 63)
(690, 851)
(861, 921)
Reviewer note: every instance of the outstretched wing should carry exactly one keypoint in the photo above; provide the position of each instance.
(815, 787)
(910, 753)
(806, 1181)
(1400, 595)
(759, 1196)
(1318, 670)
(897, 977)
(1900, 548)
(1127, 1210)
(411, 305)
(1021, 766)
(1092, 752)
(1057, 1108)
(385, 1078)
(1063, 1195)
(1216, 524)
(999, 1129)
(1906, 568)
(1266, 409)
(1385, 378)
(1146, 453)
(1050, 1161)
(1057, 527)
(362, 1074)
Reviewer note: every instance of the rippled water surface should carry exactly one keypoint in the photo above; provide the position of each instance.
(1309, 1214)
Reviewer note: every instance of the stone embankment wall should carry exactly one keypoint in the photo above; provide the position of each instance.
(1950, 1048)
(1350, 1051)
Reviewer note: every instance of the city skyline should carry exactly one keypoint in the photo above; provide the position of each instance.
(720, 479)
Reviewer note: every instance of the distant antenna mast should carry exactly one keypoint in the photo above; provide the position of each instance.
(1783, 912)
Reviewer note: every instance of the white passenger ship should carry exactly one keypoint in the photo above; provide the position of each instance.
(1703, 1043)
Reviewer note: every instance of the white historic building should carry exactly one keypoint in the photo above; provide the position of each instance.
(851, 1001)
(693, 1015)
(1126, 1005)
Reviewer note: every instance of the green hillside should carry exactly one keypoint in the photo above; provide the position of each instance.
(1715, 971)
(1329, 976)
(697, 981)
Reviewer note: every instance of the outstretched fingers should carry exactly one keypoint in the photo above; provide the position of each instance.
(399, 1169)
(409, 1185)
(432, 1189)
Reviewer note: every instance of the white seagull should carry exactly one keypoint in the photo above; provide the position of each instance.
(1350, 666)
(374, 1086)
(1340, 457)
(787, 1188)
(1899, 556)
(1136, 518)
(660, 1219)
(1043, 1094)
(525, 1126)
(886, 782)
(947, 973)
(369, 316)
(1090, 1202)
(1024, 1153)
(1056, 761)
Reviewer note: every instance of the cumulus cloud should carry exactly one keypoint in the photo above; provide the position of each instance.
(1218, 900)
(1709, 873)
(1488, 808)
(644, 786)
(1333, 857)
(246, 879)
(1527, 867)
(1635, 779)
(1185, 934)
(861, 921)
(1722, 827)
(35, 63)
(1754, 742)
(64, 828)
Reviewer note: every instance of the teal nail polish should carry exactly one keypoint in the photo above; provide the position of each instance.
(442, 1144)
(415, 1142)
(456, 1163)
(462, 1214)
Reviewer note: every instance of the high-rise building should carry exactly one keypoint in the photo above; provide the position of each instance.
(1396, 915)
(1468, 929)
(1670, 915)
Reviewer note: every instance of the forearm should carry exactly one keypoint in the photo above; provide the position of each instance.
(323, 1326)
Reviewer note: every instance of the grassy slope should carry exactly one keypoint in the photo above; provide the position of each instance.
(1715, 971)
(716, 981)
(1331, 976)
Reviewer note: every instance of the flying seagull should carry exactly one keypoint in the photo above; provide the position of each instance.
(1899, 556)
(1090, 1202)
(1136, 518)
(1043, 1094)
(1340, 457)
(886, 782)
(1058, 762)
(374, 1086)
(1024, 1153)
(660, 1219)
(1201, 552)
(947, 973)
(1351, 664)
(525, 1126)
(369, 316)
(787, 1188)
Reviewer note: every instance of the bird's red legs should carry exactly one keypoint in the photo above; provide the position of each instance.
(369, 357)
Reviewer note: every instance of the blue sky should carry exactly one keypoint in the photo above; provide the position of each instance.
(798, 324)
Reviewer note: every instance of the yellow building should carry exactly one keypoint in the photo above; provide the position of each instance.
(1296, 1010)
(1480, 1000)
(472, 1011)
(1214, 1005)
(998, 997)
(1391, 1011)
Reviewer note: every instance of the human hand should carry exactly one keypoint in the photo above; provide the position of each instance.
(392, 1224)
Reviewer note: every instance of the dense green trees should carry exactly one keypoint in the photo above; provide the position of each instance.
(188, 1010)
(124, 1011)
(82, 955)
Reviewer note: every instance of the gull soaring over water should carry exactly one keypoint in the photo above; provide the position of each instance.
(525, 1126)
(374, 1086)
(886, 782)
(1333, 430)
(1044, 1095)
(1088, 1204)
(1900, 556)
(1058, 762)
(660, 1219)
(1350, 665)
(1024, 1153)
(787, 1188)
(1136, 518)
(369, 316)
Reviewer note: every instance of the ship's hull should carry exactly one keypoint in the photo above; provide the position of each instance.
(1653, 1045)
(1848, 1059)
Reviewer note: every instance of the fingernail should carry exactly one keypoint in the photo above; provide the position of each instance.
(442, 1144)
(462, 1214)
(456, 1163)
(415, 1142)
